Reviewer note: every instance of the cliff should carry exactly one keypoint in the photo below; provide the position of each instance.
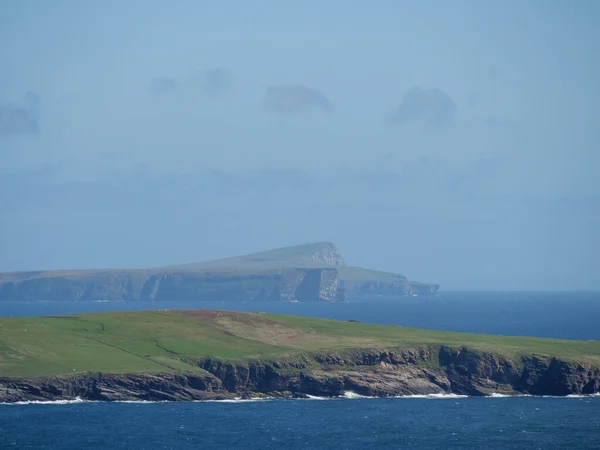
(195, 355)
(312, 272)
(372, 372)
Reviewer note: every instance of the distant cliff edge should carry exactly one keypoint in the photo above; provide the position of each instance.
(304, 273)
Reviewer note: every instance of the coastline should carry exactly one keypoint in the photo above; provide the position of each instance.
(364, 373)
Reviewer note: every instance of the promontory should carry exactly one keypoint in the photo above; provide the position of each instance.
(184, 355)
(304, 273)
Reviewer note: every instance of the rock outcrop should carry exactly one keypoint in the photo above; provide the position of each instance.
(315, 272)
(327, 254)
(280, 285)
(374, 372)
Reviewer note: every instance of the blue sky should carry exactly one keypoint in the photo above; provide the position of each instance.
(454, 142)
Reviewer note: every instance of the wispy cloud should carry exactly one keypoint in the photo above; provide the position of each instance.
(162, 86)
(293, 99)
(20, 119)
(431, 106)
(217, 80)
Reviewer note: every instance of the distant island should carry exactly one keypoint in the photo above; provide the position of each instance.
(183, 355)
(304, 273)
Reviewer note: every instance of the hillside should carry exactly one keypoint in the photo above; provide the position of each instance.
(317, 255)
(311, 272)
(184, 354)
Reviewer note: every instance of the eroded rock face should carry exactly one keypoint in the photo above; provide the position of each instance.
(328, 255)
(542, 374)
(273, 285)
(304, 273)
(105, 387)
(374, 372)
(101, 286)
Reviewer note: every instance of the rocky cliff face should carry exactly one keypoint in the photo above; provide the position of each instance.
(77, 287)
(303, 273)
(274, 285)
(358, 289)
(328, 255)
(375, 372)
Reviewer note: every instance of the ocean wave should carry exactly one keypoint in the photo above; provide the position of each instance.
(314, 397)
(498, 395)
(236, 400)
(49, 402)
(354, 395)
(347, 395)
(439, 395)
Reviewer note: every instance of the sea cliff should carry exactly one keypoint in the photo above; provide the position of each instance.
(369, 372)
(203, 354)
(312, 272)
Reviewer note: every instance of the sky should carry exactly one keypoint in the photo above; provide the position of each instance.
(452, 142)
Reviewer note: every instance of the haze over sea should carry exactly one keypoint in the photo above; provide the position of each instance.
(454, 143)
(351, 423)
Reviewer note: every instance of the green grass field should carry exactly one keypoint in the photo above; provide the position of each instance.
(166, 341)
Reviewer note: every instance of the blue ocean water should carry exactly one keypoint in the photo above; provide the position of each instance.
(448, 423)
(466, 423)
(566, 315)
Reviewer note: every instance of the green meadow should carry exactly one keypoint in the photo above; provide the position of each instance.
(168, 341)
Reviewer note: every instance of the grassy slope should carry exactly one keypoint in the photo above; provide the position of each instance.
(298, 256)
(162, 341)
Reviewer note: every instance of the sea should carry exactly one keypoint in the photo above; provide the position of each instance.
(348, 422)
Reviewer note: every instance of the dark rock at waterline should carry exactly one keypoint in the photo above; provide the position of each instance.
(373, 372)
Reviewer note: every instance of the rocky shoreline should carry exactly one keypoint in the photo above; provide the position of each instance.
(372, 372)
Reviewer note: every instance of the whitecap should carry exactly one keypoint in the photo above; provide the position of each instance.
(49, 402)
(498, 395)
(235, 400)
(354, 395)
(439, 395)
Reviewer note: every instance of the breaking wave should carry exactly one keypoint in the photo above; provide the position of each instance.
(347, 395)
(49, 402)
(354, 395)
(597, 394)
(498, 395)
(440, 395)
(236, 400)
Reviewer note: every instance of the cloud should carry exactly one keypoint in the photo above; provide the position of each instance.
(162, 86)
(431, 106)
(211, 81)
(214, 81)
(16, 120)
(293, 99)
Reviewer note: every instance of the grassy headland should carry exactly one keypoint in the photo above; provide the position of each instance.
(311, 272)
(173, 341)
